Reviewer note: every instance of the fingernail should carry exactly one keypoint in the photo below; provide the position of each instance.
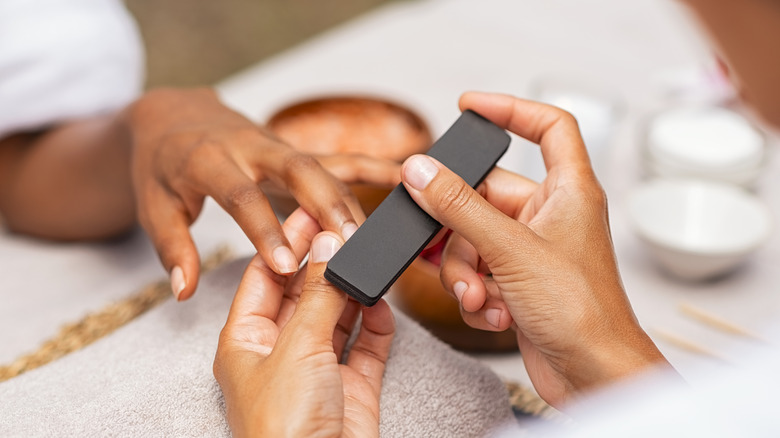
(420, 171)
(348, 230)
(493, 317)
(177, 281)
(460, 287)
(285, 260)
(323, 248)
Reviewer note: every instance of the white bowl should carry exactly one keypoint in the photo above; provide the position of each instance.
(699, 229)
(705, 142)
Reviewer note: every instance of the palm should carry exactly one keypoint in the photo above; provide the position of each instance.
(361, 405)
(338, 398)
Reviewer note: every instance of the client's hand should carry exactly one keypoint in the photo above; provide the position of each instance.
(279, 353)
(187, 145)
(547, 248)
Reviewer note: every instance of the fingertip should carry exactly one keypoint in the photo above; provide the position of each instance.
(324, 246)
(418, 171)
(348, 230)
(379, 319)
(284, 260)
(473, 298)
(382, 312)
(178, 281)
(475, 99)
(493, 317)
(466, 98)
(184, 273)
(471, 302)
(459, 288)
(184, 283)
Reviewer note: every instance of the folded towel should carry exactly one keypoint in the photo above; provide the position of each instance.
(153, 377)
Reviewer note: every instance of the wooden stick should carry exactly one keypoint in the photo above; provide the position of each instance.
(689, 346)
(96, 325)
(718, 322)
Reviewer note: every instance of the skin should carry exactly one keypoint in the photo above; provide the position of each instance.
(548, 250)
(553, 278)
(82, 163)
(746, 32)
(547, 246)
(279, 361)
(156, 161)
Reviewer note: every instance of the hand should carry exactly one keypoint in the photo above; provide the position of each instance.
(187, 146)
(278, 356)
(548, 250)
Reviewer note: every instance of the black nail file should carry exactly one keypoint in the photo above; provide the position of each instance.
(398, 230)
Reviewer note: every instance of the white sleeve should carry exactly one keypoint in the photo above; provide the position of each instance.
(737, 400)
(62, 60)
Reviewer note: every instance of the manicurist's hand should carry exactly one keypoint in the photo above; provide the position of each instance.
(278, 361)
(548, 252)
(187, 145)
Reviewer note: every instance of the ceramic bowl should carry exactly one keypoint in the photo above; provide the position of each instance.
(704, 142)
(699, 229)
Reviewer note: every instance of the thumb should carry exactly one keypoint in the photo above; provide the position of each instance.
(321, 304)
(450, 200)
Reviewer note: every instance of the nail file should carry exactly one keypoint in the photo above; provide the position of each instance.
(398, 230)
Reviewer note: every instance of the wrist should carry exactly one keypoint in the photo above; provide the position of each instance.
(615, 359)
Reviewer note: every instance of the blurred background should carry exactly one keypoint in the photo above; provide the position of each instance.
(199, 42)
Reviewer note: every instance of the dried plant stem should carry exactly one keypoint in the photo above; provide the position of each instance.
(73, 337)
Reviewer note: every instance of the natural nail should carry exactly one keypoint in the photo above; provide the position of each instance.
(460, 287)
(285, 260)
(177, 281)
(323, 248)
(493, 317)
(348, 230)
(420, 171)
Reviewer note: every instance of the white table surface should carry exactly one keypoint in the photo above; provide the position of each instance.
(425, 54)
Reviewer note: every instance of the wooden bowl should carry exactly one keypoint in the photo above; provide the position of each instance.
(350, 125)
(376, 127)
(420, 294)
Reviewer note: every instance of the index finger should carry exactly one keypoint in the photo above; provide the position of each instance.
(320, 193)
(260, 291)
(552, 128)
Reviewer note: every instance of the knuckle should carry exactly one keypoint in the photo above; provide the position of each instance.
(344, 191)
(242, 197)
(593, 194)
(202, 153)
(566, 117)
(456, 198)
(318, 284)
(300, 165)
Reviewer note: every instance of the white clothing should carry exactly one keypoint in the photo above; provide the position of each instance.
(65, 59)
(740, 401)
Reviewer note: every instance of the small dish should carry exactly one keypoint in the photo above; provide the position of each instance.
(704, 142)
(699, 229)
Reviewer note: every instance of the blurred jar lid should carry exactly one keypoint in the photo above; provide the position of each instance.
(704, 141)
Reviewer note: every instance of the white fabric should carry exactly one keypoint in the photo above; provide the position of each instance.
(738, 400)
(62, 60)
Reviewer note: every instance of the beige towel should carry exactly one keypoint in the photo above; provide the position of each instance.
(153, 377)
